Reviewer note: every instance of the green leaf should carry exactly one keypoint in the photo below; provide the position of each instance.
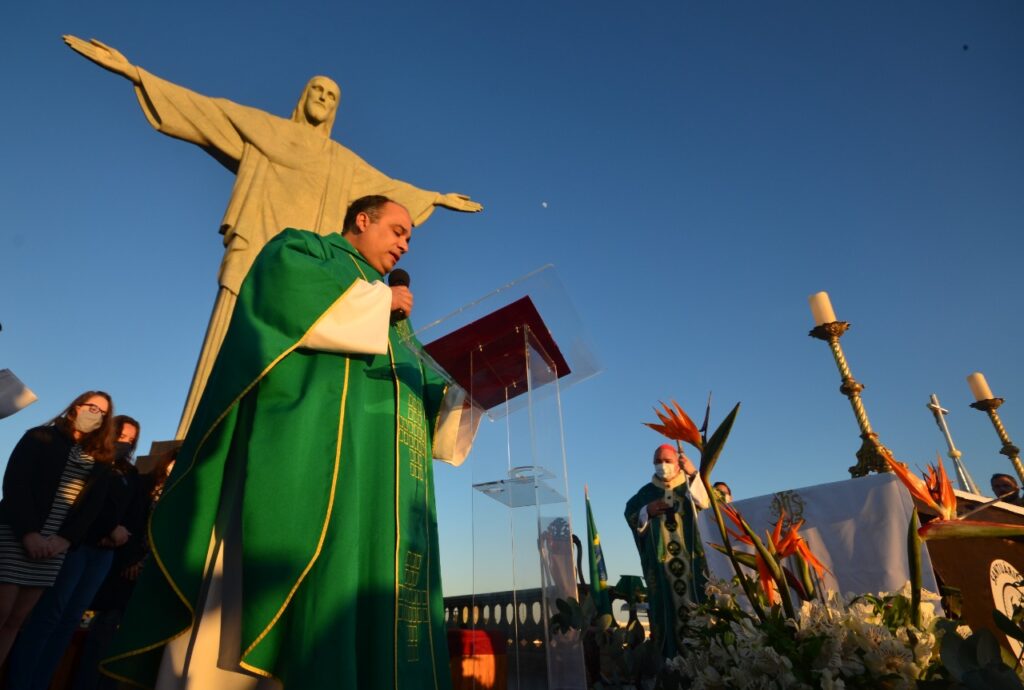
(988, 648)
(914, 558)
(744, 558)
(1007, 626)
(969, 529)
(806, 581)
(992, 678)
(773, 567)
(954, 652)
(713, 448)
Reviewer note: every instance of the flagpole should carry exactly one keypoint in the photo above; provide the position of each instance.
(595, 555)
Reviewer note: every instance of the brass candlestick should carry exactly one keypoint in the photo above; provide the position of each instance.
(1009, 450)
(871, 456)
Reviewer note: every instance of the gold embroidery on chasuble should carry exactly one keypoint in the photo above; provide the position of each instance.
(412, 433)
(403, 329)
(412, 604)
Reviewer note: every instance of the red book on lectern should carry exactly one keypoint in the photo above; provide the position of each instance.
(488, 358)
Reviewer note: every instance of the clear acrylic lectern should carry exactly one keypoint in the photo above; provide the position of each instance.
(515, 352)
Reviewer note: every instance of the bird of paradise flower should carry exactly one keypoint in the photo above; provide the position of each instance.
(936, 492)
(677, 425)
(770, 553)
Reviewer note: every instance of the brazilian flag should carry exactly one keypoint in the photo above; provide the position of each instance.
(598, 573)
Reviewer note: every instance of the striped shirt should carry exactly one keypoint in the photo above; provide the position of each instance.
(15, 565)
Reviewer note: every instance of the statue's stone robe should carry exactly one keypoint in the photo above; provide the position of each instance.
(288, 174)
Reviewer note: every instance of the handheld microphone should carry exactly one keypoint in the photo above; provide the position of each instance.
(398, 278)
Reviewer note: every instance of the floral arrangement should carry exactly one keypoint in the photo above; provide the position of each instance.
(868, 643)
(750, 634)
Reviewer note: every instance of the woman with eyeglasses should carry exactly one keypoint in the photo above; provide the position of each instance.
(46, 634)
(54, 486)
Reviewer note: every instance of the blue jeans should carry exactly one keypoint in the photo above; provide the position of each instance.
(45, 636)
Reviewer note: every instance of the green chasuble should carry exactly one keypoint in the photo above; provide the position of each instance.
(672, 557)
(319, 464)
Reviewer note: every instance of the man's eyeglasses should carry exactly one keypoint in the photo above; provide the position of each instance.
(95, 409)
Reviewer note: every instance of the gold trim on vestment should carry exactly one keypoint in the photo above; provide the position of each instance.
(330, 505)
(202, 442)
(398, 526)
(398, 479)
(123, 679)
(259, 672)
(428, 477)
(327, 518)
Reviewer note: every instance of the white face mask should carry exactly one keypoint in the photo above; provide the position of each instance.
(666, 470)
(87, 421)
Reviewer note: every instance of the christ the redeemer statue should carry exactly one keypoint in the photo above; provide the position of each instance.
(289, 173)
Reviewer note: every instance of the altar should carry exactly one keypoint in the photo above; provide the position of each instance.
(856, 527)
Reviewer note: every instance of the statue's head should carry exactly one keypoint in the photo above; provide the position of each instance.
(318, 104)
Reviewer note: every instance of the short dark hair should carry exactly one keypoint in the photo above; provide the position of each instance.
(370, 205)
(1000, 475)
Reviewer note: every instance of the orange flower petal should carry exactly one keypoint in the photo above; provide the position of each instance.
(676, 425)
(917, 488)
(809, 557)
(687, 423)
(731, 513)
(777, 532)
(947, 498)
(742, 538)
(764, 574)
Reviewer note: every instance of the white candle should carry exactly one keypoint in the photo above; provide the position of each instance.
(821, 308)
(979, 386)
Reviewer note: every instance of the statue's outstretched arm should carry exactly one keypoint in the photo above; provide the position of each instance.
(103, 55)
(458, 202)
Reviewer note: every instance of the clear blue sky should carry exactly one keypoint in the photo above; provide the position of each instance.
(705, 167)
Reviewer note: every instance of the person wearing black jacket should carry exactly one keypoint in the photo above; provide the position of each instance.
(112, 599)
(45, 636)
(54, 487)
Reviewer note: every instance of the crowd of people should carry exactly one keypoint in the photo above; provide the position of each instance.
(72, 538)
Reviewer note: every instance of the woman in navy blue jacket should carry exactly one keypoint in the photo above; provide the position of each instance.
(54, 487)
(48, 631)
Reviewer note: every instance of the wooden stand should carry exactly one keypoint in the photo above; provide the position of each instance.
(967, 564)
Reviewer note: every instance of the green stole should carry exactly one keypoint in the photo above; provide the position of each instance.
(326, 460)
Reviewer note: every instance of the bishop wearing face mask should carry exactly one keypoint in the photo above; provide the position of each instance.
(662, 517)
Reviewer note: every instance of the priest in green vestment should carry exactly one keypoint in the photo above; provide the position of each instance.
(296, 543)
(662, 519)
